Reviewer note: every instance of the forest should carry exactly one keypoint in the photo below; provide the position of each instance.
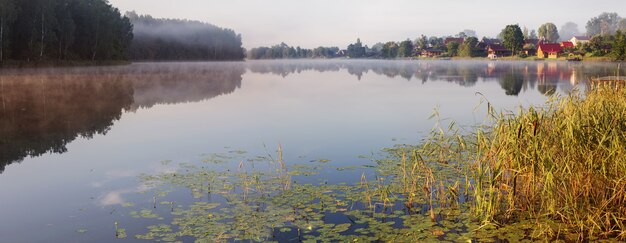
(57, 31)
(175, 39)
(60, 30)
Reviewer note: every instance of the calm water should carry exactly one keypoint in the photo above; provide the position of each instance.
(74, 140)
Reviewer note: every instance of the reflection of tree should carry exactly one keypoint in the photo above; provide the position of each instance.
(41, 111)
(512, 82)
(546, 89)
(463, 73)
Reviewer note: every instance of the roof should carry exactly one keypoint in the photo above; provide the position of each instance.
(582, 38)
(497, 47)
(550, 48)
(567, 44)
(452, 39)
(533, 41)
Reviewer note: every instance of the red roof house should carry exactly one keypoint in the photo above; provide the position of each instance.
(567, 44)
(549, 50)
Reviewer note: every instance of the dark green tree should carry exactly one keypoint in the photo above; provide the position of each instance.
(8, 13)
(513, 38)
(390, 50)
(618, 50)
(356, 50)
(405, 49)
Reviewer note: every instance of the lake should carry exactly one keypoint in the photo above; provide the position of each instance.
(75, 142)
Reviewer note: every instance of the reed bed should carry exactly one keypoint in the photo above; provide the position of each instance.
(564, 163)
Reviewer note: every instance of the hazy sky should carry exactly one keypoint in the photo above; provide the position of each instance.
(309, 23)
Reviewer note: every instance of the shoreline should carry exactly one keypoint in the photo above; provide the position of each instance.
(57, 64)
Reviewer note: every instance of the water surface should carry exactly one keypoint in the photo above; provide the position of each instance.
(74, 140)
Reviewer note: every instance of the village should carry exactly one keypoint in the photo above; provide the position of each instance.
(494, 48)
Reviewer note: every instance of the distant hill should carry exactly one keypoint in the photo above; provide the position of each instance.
(175, 39)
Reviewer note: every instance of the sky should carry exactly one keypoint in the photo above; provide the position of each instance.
(313, 23)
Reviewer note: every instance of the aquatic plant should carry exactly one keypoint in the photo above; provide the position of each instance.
(555, 172)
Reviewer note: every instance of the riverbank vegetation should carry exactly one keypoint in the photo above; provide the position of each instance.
(556, 172)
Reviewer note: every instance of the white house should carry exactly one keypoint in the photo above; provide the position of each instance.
(579, 40)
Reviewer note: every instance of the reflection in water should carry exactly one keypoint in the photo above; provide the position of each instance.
(45, 109)
(512, 76)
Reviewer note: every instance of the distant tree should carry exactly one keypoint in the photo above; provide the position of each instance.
(405, 49)
(356, 50)
(436, 42)
(513, 38)
(618, 49)
(469, 33)
(604, 24)
(390, 50)
(599, 45)
(548, 32)
(378, 49)
(422, 42)
(453, 48)
(622, 25)
(533, 35)
(526, 33)
(569, 30)
(467, 48)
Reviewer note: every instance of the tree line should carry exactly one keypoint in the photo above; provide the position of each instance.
(94, 30)
(606, 32)
(175, 39)
(284, 51)
(44, 30)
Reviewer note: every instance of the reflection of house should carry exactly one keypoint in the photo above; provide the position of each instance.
(497, 50)
(576, 40)
(549, 50)
(431, 52)
(567, 44)
(452, 39)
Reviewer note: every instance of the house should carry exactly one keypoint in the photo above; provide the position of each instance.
(484, 43)
(576, 40)
(549, 50)
(534, 42)
(341, 53)
(530, 46)
(498, 50)
(431, 52)
(567, 44)
(452, 39)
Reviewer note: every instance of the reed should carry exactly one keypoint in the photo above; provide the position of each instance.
(565, 163)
